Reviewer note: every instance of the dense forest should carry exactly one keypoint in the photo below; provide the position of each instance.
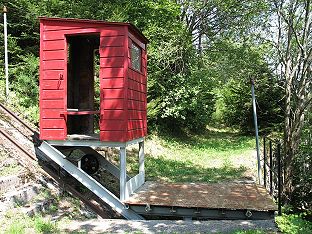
(201, 58)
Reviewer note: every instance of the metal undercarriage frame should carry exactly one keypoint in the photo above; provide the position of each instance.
(202, 213)
(127, 185)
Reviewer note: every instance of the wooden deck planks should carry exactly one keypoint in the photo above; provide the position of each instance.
(199, 195)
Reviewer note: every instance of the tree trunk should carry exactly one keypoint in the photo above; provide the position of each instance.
(288, 141)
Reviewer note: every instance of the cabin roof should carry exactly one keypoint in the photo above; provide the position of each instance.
(82, 21)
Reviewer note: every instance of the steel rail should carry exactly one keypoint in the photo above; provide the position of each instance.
(17, 118)
(95, 204)
(12, 140)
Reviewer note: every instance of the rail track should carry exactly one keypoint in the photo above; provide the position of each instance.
(27, 157)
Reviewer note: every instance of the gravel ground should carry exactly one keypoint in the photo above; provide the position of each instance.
(167, 226)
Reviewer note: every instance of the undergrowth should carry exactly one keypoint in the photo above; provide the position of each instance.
(293, 224)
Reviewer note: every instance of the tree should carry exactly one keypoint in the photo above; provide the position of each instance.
(302, 194)
(294, 48)
(233, 64)
(208, 20)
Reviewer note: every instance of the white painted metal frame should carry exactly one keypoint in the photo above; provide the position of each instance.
(88, 181)
(127, 185)
(6, 61)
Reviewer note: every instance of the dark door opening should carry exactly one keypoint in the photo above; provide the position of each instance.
(82, 75)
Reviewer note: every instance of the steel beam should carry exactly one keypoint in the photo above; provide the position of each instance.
(201, 213)
(123, 174)
(141, 157)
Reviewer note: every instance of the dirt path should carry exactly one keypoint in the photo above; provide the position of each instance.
(166, 226)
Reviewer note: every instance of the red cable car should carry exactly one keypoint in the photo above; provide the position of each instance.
(92, 80)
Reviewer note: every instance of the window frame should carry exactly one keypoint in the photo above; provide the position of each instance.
(140, 56)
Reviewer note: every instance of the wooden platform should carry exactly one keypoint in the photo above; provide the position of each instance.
(194, 198)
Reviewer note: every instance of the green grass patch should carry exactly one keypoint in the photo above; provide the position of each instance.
(211, 157)
(16, 227)
(20, 223)
(42, 225)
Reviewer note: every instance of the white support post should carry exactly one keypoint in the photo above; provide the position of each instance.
(141, 157)
(123, 174)
(256, 129)
(6, 63)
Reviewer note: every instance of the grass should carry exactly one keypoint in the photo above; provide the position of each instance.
(249, 232)
(215, 156)
(66, 206)
(18, 223)
(293, 224)
(211, 157)
(42, 225)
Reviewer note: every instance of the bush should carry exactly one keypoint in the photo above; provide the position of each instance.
(25, 87)
(179, 90)
(232, 64)
(235, 105)
(293, 224)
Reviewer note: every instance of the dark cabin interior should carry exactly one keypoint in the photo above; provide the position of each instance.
(82, 87)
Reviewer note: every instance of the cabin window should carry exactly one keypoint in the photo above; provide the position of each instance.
(136, 55)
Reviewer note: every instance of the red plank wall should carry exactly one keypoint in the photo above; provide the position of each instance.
(52, 84)
(112, 85)
(136, 93)
(122, 89)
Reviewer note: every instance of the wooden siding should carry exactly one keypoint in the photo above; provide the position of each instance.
(136, 94)
(112, 82)
(52, 86)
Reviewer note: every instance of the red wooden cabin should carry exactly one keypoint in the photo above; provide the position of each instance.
(92, 80)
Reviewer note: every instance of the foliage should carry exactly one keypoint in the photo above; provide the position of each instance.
(302, 199)
(233, 65)
(207, 21)
(293, 224)
(180, 85)
(237, 109)
(201, 57)
(171, 54)
(15, 228)
(26, 86)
